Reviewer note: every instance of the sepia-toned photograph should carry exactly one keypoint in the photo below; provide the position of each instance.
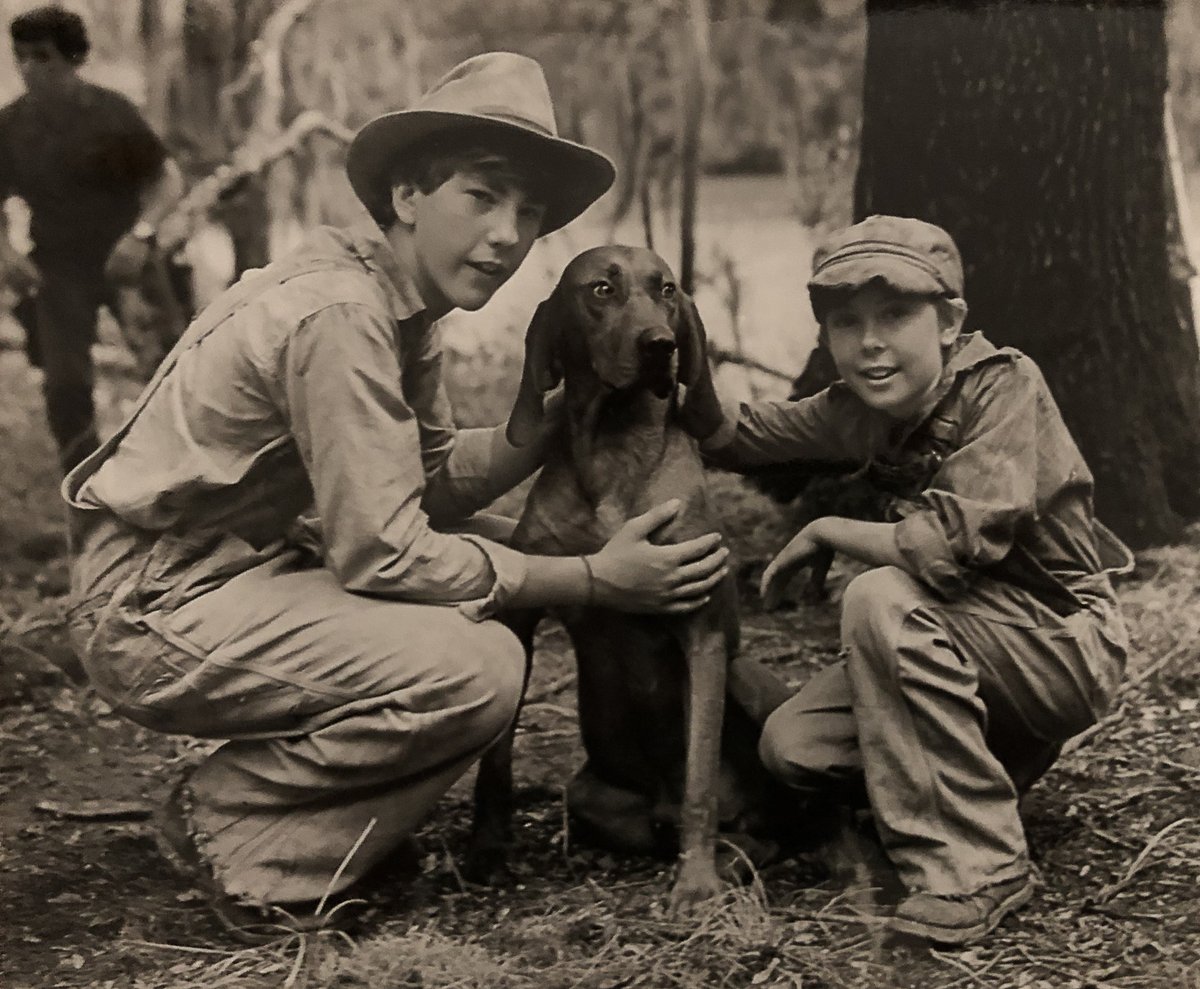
(625, 494)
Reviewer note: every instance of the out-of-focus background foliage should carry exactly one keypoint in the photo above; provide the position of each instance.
(778, 148)
(778, 151)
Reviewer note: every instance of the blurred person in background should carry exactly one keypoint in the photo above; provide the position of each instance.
(98, 182)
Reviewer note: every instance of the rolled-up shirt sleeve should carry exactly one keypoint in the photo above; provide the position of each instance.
(361, 442)
(968, 516)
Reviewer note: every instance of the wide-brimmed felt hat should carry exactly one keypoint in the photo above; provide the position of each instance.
(908, 254)
(498, 93)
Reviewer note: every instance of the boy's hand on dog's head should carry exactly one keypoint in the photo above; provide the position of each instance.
(796, 555)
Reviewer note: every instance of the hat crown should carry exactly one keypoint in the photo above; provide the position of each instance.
(502, 86)
(505, 97)
(891, 239)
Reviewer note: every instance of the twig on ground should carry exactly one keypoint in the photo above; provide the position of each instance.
(552, 688)
(1130, 685)
(547, 734)
(453, 865)
(1179, 765)
(564, 712)
(187, 948)
(974, 975)
(1059, 969)
(1108, 892)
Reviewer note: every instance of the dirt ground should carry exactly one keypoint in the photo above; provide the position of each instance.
(85, 901)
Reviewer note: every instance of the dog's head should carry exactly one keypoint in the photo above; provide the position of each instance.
(618, 320)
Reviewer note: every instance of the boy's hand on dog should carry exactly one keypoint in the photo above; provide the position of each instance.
(633, 574)
(797, 554)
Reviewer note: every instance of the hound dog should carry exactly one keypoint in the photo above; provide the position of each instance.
(664, 754)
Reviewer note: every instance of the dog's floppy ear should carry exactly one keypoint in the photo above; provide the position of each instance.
(543, 343)
(541, 372)
(692, 343)
(700, 412)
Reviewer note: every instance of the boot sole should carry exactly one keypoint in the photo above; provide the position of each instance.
(962, 935)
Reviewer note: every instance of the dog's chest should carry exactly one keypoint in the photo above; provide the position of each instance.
(577, 511)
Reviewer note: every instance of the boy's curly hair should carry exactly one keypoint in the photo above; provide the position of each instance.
(52, 23)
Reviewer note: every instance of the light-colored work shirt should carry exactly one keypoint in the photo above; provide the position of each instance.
(313, 387)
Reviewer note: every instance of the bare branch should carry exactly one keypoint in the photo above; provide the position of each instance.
(266, 67)
(250, 159)
(720, 356)
(268, 50)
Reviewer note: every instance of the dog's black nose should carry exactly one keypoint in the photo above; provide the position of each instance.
(654, 343)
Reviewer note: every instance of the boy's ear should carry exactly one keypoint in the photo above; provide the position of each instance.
(403, 195)
(952, 313)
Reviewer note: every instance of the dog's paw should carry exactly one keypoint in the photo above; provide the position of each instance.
(693, 889)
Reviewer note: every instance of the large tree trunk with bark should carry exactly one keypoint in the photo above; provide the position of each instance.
(1032, 130)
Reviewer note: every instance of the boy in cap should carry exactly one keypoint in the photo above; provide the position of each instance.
(354, 688)
(987, 631)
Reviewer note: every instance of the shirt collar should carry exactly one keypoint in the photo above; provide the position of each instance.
(373, 249)
(967, 350)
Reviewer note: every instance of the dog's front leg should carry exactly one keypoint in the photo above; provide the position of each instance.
(491, 831)
(706, 659)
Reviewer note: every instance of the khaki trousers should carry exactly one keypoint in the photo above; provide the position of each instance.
(339, 709)
(946, 711)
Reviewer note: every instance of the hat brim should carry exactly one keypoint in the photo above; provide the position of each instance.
(864, 268)
(581, 174)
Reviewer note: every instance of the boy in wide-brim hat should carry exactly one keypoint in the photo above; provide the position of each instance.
(354, 666)
(986, 631)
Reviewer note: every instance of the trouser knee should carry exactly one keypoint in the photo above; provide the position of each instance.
(879, 599)
(496, 683)
(798, 750)
(875, 606)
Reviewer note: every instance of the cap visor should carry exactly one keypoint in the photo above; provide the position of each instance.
(859, 270)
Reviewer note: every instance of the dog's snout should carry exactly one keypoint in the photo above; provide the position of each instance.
(657, 343)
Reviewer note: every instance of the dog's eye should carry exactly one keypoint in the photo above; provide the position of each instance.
(602, 290)
(668, 290)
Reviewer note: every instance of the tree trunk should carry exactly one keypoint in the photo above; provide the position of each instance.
(1032, 130)
(206, 123)
(157, 55)
(691, 121)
